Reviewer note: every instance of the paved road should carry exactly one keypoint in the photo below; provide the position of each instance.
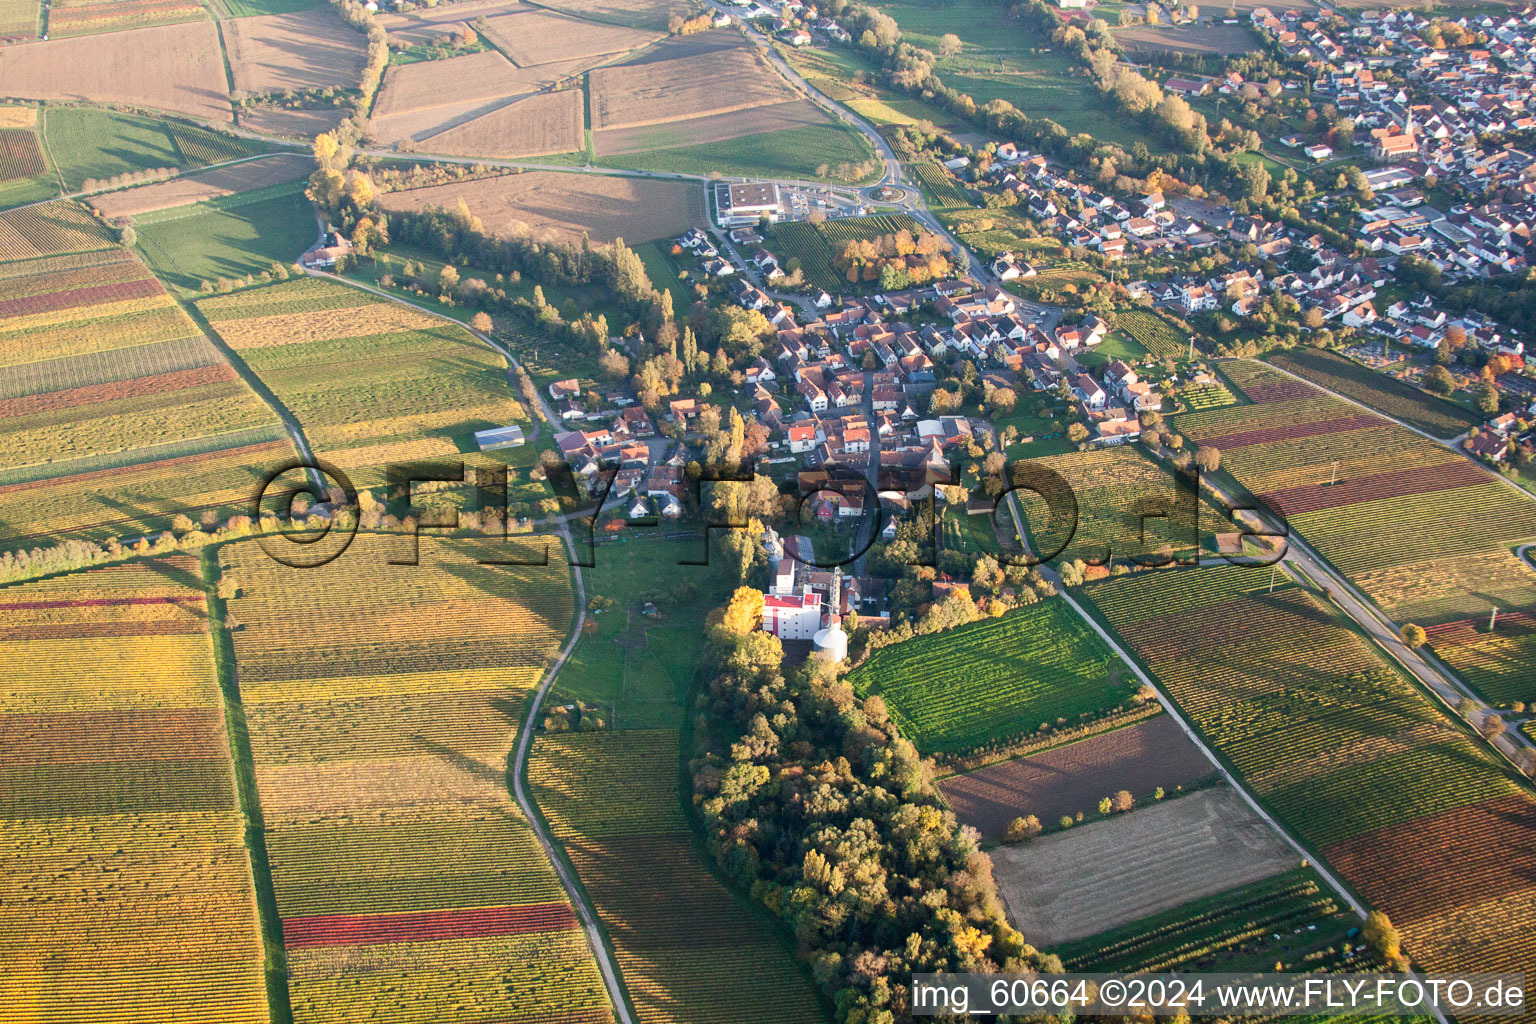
(1428, 669)
(525, 739)
(529, 728)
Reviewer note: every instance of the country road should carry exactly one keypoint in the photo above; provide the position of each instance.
(1434, 674)
(912, 201)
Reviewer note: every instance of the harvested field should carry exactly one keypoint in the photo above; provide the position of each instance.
(1077, 776)
(1188, 38)
(710, 81)
(1108, 873)
(540, 37)
(195, 188)
(651, 14)
(442, 83)
(426, 24)
(169, 67)
(419, 99)
(557, 205)
(304, 50)
(539, 125)
(299, 124)
(709, 128)
(18, 117)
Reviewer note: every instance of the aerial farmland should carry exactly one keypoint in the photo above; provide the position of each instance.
(712, 512)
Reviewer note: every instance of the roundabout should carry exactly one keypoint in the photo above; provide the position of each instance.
(890, 195)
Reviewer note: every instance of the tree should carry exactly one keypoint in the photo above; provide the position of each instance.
(481, 322)
(1414, 636)
(1105, 806)
(128, 237)
(448, 279)
(1020, 829)
(1122, 800)
(326, 148)
(744, 612)
(1382, 937)
(1439, 380)
(1488, 399)
(1077, 433)
(1208, 458)
(1493, 726)
(949, 45)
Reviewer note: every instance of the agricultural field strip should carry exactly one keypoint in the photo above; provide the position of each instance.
(106, 405)
(123, 841)
(372, 875)
(612, 799)
(1010, 675)
(439, 382)
(1398, 400)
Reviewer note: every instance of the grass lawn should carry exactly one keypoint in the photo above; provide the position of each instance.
(1046, 89)
(1116, 345)
(101, 144)
(995, 678)
(788, 153)
(207, 241)
(663, 271)
(897, 110)
(642, 668)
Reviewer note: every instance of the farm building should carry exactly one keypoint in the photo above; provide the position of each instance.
(499, 437)
(740, 204)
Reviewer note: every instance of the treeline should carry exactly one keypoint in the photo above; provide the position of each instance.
(813, 802)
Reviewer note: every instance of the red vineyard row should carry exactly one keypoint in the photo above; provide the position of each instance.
(1396, 484)
(49, 302)
(1263, 394)
(425, 926)
(101, 602)
(96, 737)
(94, 394)
(1468, 631)
(1291, 432)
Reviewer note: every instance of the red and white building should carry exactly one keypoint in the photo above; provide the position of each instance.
(792, 616)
